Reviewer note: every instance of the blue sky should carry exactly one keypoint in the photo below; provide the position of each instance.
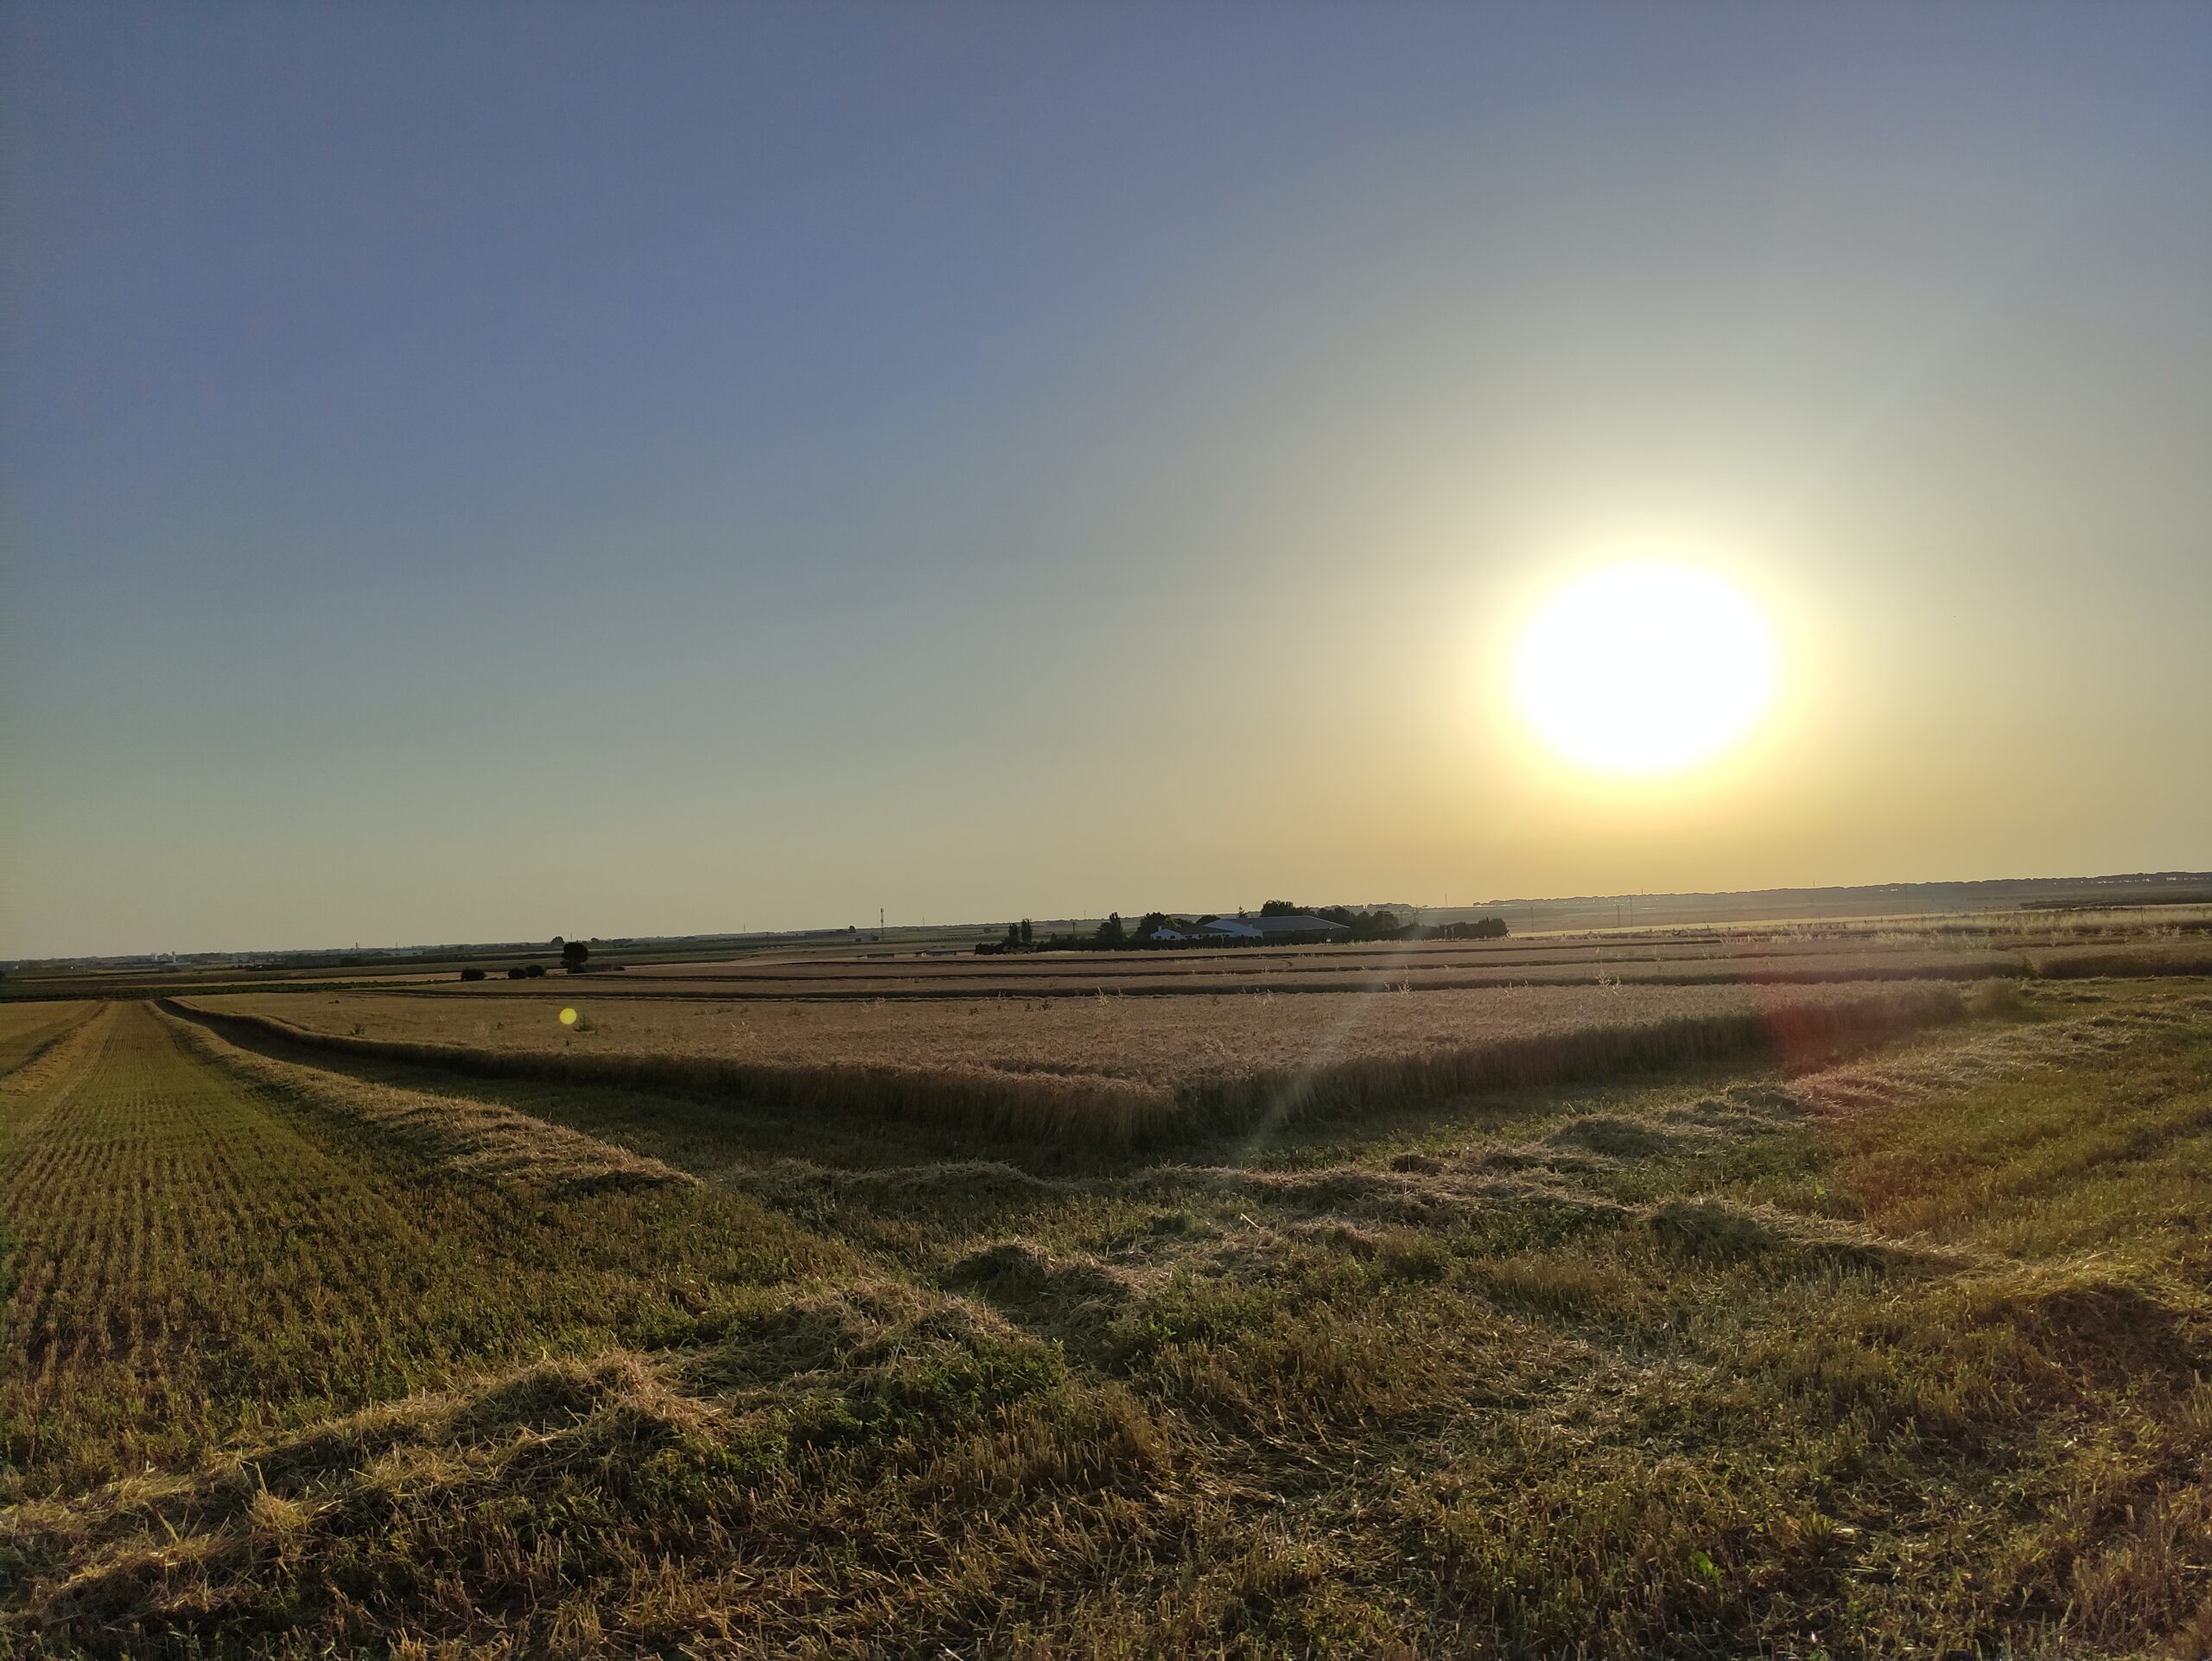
(492, 471)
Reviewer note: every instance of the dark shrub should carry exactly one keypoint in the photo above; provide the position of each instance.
(472, 974)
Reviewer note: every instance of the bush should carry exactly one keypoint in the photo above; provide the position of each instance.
(534, 969)
(1486, 928)
(472, 974)
(517, 972)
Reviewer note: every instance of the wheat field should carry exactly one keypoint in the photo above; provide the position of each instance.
(314, 1352)
(1107, 1069)
(1149, 1041)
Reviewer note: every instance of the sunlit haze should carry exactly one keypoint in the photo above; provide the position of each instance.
(485, 472)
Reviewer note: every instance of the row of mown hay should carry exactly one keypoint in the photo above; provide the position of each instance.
(1117, 1113)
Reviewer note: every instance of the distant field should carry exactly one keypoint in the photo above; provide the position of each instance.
(2171, 940)
(2166, 938)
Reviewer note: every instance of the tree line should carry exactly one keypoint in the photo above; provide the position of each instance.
(1115, 935)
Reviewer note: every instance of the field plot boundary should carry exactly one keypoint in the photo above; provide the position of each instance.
(24, 1048)
(475, 1137)
(1094, 1109)
(52, 1062)
(1104, 1111)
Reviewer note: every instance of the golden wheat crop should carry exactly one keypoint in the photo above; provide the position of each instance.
(1115, 1069)
(1153, 1041)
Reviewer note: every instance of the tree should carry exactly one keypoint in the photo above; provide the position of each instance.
(574, 955)
(1014, 934)
(1028, 935)
(1152, 920)
(1279, 908)
(1110, 933)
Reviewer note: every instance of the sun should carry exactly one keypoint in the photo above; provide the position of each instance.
(1643, 669)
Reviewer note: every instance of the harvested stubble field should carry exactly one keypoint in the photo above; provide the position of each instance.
(1109, 1069)
(310, 1353)
(192, 1253)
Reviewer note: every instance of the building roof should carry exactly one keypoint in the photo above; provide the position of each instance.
(1265, 928)
(1303, 923)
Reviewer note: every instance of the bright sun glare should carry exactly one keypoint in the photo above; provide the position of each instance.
(1645, 669)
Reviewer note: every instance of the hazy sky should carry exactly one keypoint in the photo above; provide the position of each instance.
(482, 472)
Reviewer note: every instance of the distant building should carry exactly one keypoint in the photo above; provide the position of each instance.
(1167, 936)
(1304, 928)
